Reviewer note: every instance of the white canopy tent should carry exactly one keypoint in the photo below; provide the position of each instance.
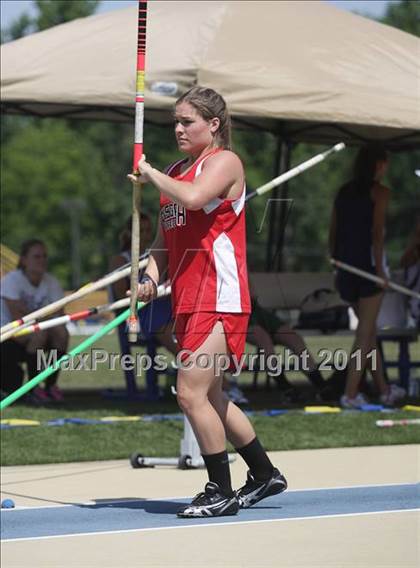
(303, 70)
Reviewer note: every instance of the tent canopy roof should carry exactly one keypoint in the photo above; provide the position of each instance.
(305, 70)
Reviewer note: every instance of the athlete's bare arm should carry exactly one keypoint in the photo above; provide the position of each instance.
(222, 176)
(155, 269)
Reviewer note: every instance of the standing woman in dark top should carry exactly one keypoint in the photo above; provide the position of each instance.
(357, 234)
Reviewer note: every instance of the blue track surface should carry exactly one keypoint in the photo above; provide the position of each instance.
(149, 514)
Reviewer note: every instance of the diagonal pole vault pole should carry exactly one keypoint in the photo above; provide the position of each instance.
(77, 316)
(373, 278)
(133, 321)
(114, 276)
(282, 178)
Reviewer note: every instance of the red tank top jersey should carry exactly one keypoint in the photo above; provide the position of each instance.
(206, 251)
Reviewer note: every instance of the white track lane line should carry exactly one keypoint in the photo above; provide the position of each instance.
(206, 525)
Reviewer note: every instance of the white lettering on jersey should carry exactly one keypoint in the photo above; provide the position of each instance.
(173, 215)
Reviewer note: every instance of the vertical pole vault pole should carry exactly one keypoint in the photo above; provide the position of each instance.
(133, 322)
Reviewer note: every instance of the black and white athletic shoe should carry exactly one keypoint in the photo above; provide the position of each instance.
(254, 490)
(210, 503)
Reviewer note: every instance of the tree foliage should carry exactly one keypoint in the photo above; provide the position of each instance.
(54, 12)
(49, 13)
(20, 27)
(45, 169)
(404, 15)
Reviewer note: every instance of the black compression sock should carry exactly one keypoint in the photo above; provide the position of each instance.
(219, 472)
(257, 460)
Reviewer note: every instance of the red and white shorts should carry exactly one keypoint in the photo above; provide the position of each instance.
(192, 330)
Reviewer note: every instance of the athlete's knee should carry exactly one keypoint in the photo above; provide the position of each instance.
(188, 399)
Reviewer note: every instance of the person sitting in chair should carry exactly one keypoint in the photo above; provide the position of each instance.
(23, 291)
(266, 330)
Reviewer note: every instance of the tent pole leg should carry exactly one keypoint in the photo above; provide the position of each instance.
(273, 206)
(283, 209)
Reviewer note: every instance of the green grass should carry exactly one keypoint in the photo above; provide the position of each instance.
(44, 444)
(295, 430)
